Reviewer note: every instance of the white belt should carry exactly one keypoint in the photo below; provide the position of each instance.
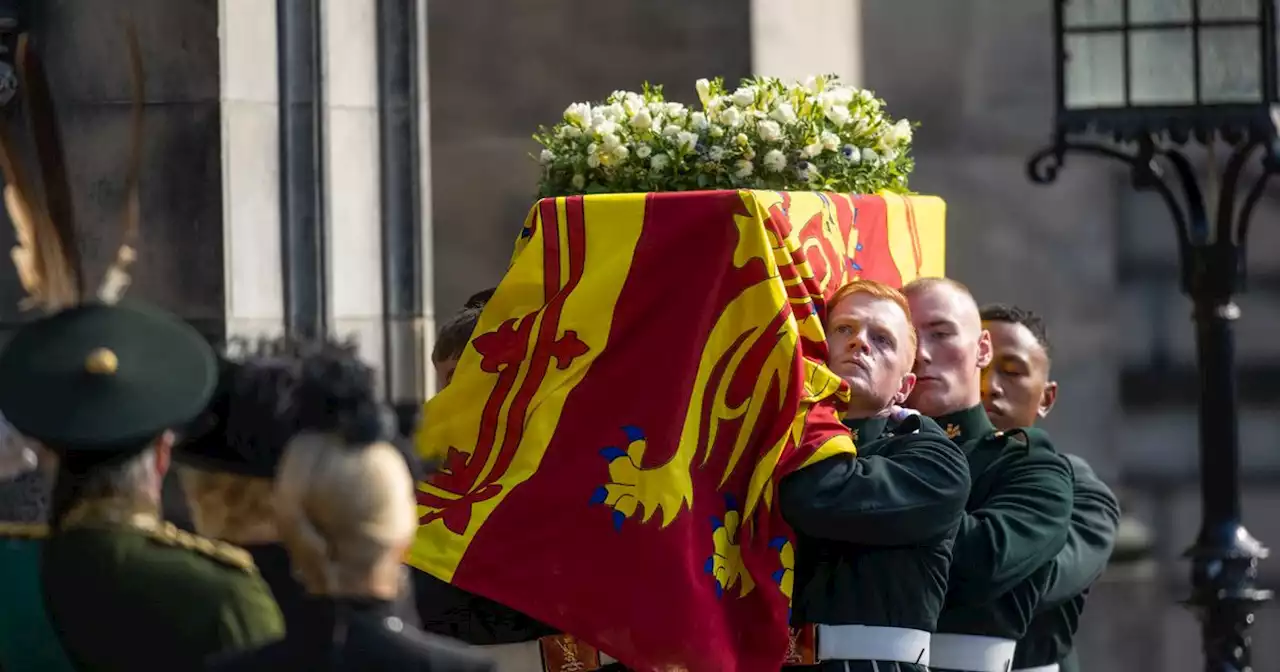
(872, 642)
(1052, 667)
(972, 653)
(525, 657)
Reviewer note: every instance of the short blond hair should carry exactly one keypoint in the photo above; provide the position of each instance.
(227, 506)
(333, 540)
(924, 284)
(878, 290)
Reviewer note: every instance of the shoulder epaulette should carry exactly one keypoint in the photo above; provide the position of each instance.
(24, 530)
(227, 554)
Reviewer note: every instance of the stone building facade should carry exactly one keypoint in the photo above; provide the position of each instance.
(1088, 253)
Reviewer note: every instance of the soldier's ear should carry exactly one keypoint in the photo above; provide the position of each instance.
(986, 352)
(1048, 398)
(904, 390)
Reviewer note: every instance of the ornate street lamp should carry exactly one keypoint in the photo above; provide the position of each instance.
(1137, 80)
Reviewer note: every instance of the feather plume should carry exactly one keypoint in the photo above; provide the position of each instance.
(118, 279)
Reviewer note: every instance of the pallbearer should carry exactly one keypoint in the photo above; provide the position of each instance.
(875, 530)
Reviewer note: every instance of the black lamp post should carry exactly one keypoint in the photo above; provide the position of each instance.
(1136, 81)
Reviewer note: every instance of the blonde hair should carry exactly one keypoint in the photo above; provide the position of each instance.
(880, 291)
(231, 507)
(342, 511)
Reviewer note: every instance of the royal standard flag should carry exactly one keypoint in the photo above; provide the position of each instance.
(648, 369)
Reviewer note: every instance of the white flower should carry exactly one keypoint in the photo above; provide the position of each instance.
(676, 110)
(743, 168)
(742, 140)
(546, 157)
(698, 121)
(851, 153)
(687, 141)
(804, 170)
(769, 131)
(659, 161)
(656, 108)
(783, 114)
(814, 84)
(633, 103)
(703, 88)
(614, 112)
(869, 155)
(621, 152)
(643, 151)
(889, 154)
(672, 130)
(774, 161)
(610, 142)
(901, 132)
(578, 181)
(604, 128)
(569, 131)
(593, 148)
(593, 160)
(716, 131)
(811, 151)
(744, 96)
(731, 117)
(830, 141)
(642, 120)
(716, 153)
(577, 113)
(838, 115)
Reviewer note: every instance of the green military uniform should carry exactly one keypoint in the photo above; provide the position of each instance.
(875, 535)
(1095, 516)
(1018, 514)
(27, 640)
(97, 384)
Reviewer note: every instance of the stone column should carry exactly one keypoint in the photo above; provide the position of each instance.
(798, 38)
(251, 169)
(351, 132)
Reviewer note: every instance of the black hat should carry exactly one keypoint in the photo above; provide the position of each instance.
(249, 421)
(98, 382)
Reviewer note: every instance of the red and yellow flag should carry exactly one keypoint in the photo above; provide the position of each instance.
(648, 369)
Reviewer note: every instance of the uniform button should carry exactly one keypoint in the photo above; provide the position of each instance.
(394, 624)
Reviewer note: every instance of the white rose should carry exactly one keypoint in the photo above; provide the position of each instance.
(731, 117)
(642, 120)
(659, 161)
(698, 121)
(546, 157)
(614, 112)
(675, 109)
(838, 115)
(577, 113)
(633, 103)
(769, 131)
(687, 141)
(656, 108)
(716, 153)
(743, 168)
(643, 151)
(593, 161)
(717, 131)
(610, 141)
(774, 161)
(902, 132)
(703, 88)
(620, 152)
(744, 96)
(783, 114)
(811, 151)
(605, 128)
(869, 155)
(579, 181)
(672, 130)
(830, 141)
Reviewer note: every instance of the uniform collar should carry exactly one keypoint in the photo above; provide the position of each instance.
(968, 425)
(865, 430)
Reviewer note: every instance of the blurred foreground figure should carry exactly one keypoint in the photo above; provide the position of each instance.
(102, 386)
(345, 512)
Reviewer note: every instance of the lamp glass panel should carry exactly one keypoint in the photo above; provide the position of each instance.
(1161, 67)
(1082, 13)
(1094, 73)
(1230, 67)
(1155, 11)
(1228, 9)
